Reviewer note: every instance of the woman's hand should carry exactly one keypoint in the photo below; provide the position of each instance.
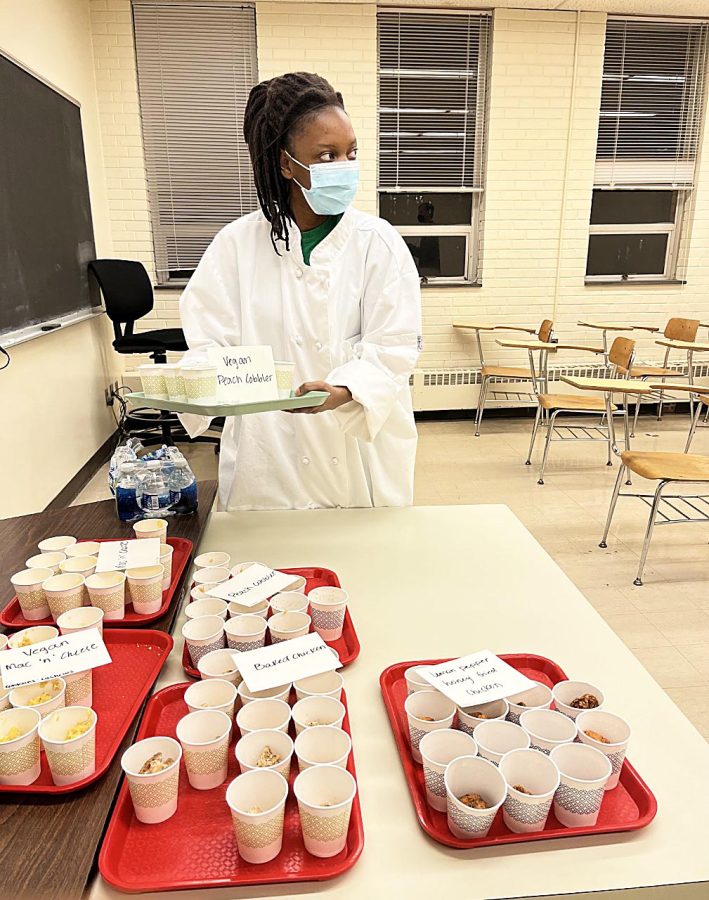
(338, 396)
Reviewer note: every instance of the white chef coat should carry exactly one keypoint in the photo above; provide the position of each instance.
(351, 318)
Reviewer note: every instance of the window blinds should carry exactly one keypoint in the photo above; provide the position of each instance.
(651, 103)
(432, 94)
(196, 66)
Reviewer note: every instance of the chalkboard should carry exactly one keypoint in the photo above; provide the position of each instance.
(46, 234)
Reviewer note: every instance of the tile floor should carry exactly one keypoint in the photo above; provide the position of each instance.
(665, 622)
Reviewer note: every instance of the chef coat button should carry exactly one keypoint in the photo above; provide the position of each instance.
(298, 273)
(305, 461)
(298, 339)
(318, 345)
(335, 461)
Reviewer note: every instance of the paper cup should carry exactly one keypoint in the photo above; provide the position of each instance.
(284, 379)
(327, 684)
(253, 749)
(547, 729)
(46, 561)
(438, 749)
(211, 575)
(415, 681)
(212, 693)
(52, 544)
(298, 585)
(241, 567)
(470, 717)
(593, 724)
(219, 664)
(152, 380)
(271, 715)
(566, 692)
(527, 810)
(204, 738)
(201, 591)
(200, 383)
(284, 626)
(29, 696)
(496, 738)
(245, 633)
(203, 635)
(19, 746)
(472, 775)
(82, 548)
(312, 711)
(174, 382)
(154, 795)
(327, 609)
(79, 565)
(427, 711)
(151, 528)
(258, 609)
(145, 588)
(64, 592)
(71, 757)
(27, 636)
(211, 559)
(538, 697)
(206, 606)
(325, 795)
(322, 745)
(81, 620)
(4, 697)
(257, 801)
(79, 688)
(3, 641)
(584, 774)
(166, 551)
(28, 587)
(282, 692)
(107, 592)
(289, 601)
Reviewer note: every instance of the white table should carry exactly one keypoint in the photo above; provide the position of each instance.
(430, 582)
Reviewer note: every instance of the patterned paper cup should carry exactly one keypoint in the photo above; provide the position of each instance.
(245, 633)
(3, 641)
(325, 795)
(79, 565)
(265, 749)
(282, 692)
(438, 748)
(284, 626)
(33, 635)
(427, 711)
(212, 558)
(28, 587)
(107, 591)
(415, 681)
(166, 551)
(322, 745)
(327, 609)
(52, 544)
(568, 693)
(69, 740)
(258, 609)
(174, 382)
(584, 774)
(151, 528)
(64, 592)
(470, 717)
(472, 775)
(532, 779)
(219, 664)
(206, 606)
(547, 729)
(238, 568)
(284, 379)
(79, 688)
(145, 588)
(211, 575)
(290, 601)
(4, 697)
(257, 801)
(608, 733)
(44, 696)
(152, 380)
(46, 561)
(212, 693)
(154, 794)
(298, 585)
(200, 383)
(82, 548)
(81, 620)
(272, 715)
(326, 684)
(538, 697)
(204, 737)
(19, 746)
(203, 635)
(496, 738)
(201, 591)
(312, 711)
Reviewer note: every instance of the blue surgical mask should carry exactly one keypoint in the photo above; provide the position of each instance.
(333, 185)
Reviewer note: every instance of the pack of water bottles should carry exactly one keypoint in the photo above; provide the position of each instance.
(151, 484)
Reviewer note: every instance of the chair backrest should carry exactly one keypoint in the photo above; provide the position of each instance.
(125, 285)
(682, 329)
(545, 330)
(621, 353)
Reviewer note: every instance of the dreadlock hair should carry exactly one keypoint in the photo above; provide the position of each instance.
(276, 108)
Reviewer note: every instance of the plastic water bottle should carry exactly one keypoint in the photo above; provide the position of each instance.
(127, 493)
(183, 489)
(155, 499)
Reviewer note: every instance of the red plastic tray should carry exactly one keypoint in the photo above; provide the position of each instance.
(628, 807)
(11, 616)
(118, 692)
(347, 646)
(196, 848)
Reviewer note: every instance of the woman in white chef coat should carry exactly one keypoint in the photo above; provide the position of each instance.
(327, 287)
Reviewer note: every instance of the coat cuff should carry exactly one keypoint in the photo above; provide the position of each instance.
(373, 392)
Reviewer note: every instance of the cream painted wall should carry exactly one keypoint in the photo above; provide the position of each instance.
(51, 397)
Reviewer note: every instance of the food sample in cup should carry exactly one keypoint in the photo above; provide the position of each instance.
(212, 693)
(284, 378)
(151, 528)
(475, 790)
(585, 701)
(155, 763)
(69, 740)
(200, 383)
(415, 680)
(265, 749)
(47, 561)
(44, 696)
(33, 635)
(83, 548)
(267, 758)
(19, 746)
(219, 664)
(574, 697)
(538, 697)
(317, 710)
(28, 587)
(281, 692)
(532, 778)
(52, 544)
(325, 795)
(211, 559)
(257, 801)
(439, 748)
(608, 733)
(475, 801)
(152, 380)
(152, 780)
(584, 773)
(427, 711)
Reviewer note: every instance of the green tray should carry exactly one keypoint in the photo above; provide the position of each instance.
(314, 398)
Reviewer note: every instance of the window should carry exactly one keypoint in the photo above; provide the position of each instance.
(196, 66)
(648, 139)
(432, 102)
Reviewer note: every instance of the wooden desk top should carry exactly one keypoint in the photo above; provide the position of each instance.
(683, 345)
(671, 386)
(614, 385)
(48, 845)
(608, 326)
(473, 325)
(521, 344)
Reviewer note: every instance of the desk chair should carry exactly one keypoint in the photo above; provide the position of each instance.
(698, 393)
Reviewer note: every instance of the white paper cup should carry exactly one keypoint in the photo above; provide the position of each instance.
(3, 641)
(325, 795)
(257, 801)
(206, 606)
(81, 619)
(211, 559)
(496, 738)
(4, 697)
(204, 738)
(151, 528)
(312, 711)
(438, 749)
(79, 565)
(238, 568)
(250, 748)
(584, 774)
(284, 626)
(282, 692)
(473, 775)
(166, 551)
(52, 544)
(427, 711)
(258, 609)
(525, 811)
(154, 795)
(415, 681)
(70, 759)
(326, 684)
(322, 745)
(494, 711)
(212, 693)
(201, 591)
(19, 757)
(203, 635)
(46, 561)
(82, 548)
(210, 575)
(271, 715)
(244, 633)
(284, 379)
(290, 601)
(547, 729)
(64, 592)
(28, 636)
(152, 380)
(565, 692)
(107, 592)
(200, 383)
(538, 697)
(27, 696)
(327, 610)
(219, 664)
(174, 382)
(28, 587)
(79, 688)
(298, 585)
(614, 729)
(145, 588)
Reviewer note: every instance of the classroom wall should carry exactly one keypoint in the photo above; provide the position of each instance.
(52, 407)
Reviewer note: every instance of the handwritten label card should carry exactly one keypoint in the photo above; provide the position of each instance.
(285, 662)
(128, 554)
(244, 374)
(478, 678)
(252, 585)
(67, 654)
